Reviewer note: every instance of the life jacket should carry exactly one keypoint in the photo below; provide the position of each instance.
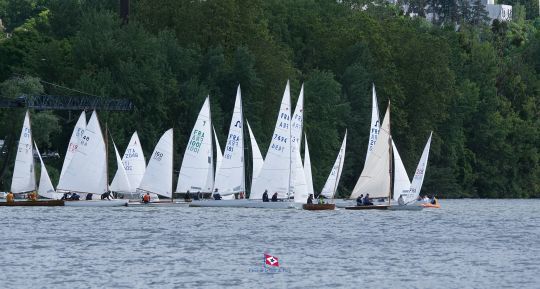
(146, 198)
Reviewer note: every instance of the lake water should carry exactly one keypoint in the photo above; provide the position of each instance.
(466, 244)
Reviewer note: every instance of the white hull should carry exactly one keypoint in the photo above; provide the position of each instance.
(96, 203)
(158, 204)
(405, 208)
(246, 204)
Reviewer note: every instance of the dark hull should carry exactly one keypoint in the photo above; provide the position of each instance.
(49, 203)
(318, 207)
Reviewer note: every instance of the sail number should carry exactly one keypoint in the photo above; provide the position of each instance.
(131, 153)
(84, 140)
(196, 141)
(158, 156)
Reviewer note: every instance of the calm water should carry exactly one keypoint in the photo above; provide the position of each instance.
(466, 244)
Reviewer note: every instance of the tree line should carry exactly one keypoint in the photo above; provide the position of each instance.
(476, 84)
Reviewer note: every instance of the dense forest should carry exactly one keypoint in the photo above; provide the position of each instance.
(475, 84)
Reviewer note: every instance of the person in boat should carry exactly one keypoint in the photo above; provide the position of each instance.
(434, 201)
(88, 196)
(321, 199)
(400, 200)
(75, 197)
(187, 197)
(217, 196)
(425, 199)
(360, 200)
(274, 197)
(66, 196)
(309, 199)
(32, 196)
(106, 195)
(146, 198)
(366, 201)
(265, 196)
(10, 197)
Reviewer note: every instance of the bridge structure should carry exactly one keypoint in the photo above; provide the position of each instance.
(62, 102)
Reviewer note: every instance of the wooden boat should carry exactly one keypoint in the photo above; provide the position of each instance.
(429, 205)
(318, 207)
(43, 203)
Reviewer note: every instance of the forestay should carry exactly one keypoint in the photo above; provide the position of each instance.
(275, 172)
(24, 178)
(87, 170)
(307, 168)
(375, 177)
(230, 175)
(329, 189)
(196, 172)
(158, 176)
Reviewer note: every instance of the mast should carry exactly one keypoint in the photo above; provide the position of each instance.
(338, 170)
(172, 164)
(390, 157)
(243, 150)
(290, 152)
(107, 155)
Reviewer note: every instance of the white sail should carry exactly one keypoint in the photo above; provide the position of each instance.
(418, 179)
(87, 170)
(258, 160)
(46, 188)
(158, 175)
(330, 187)
(375, 124)
(230, 176)
(196, 172)
(219, 153)
(298, 176)
(120, 182)
(401, 180)
(134, 162)
(307, 168)
(24, 178)
(375, 177)
(76, 136)
(276, 171)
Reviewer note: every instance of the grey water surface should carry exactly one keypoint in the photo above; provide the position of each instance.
(465, 244)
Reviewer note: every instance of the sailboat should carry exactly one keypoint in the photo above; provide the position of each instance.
(157, 178)
(197, 170)
(230, 177)
(86, 173)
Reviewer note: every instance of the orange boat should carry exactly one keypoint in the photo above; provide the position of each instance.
(437, 205)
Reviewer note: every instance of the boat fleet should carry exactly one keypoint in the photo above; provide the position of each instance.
(281, 171)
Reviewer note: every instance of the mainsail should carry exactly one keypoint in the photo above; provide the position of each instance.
(24, 178)
(196, 172)
(87, 170)
(46, 188)
(375, 177)
(158, 176)
(120, 182)
(307, 168)
(134, 162)
(298, 176)
(74, 141)
(230, 175)
(375, 124)
(330, 187)
(418, 178)
(258, 160)
(275, 174)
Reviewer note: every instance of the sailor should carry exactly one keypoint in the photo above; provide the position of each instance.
(359, 200)
(10, 197)
(187, 197)
(321, 199)
(106, 195)
(265, 196)
(310, 199)
(217, 196)
(89, 196)
(75, 197)
(66, 196)
(146, 198)
(434, 201)
(274, 197)
(32, 196)
(366, 201)
(400, 200)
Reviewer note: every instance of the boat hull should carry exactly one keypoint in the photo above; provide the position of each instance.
(44, 203)
(428, 205)
(378, 207)
(318, 207)
(406, 208)
(245, 204)
(158, 204)
(96, 203)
